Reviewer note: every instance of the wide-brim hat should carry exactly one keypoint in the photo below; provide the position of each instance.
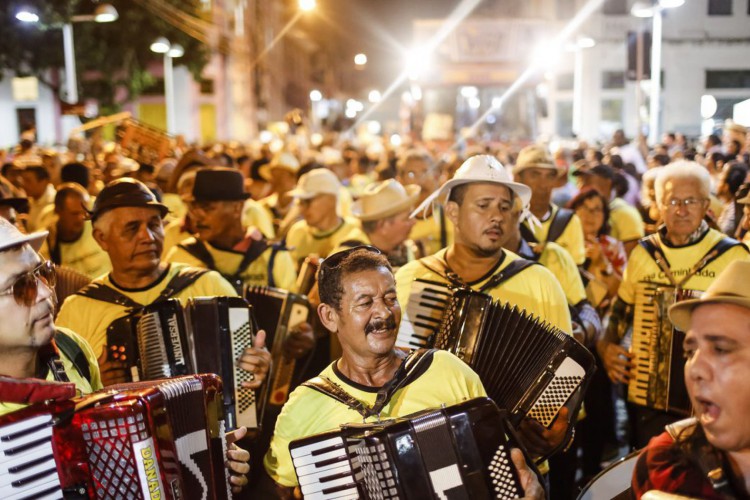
(730, 287)
(385, 199)
(316, 182)
(125, 192)
(218, 184)
(479, 168)
(10, 237)
(534, 156)
(283, 160)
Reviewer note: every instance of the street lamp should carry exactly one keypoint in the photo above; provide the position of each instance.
(162, 46)
(578, 47)
(642, 9)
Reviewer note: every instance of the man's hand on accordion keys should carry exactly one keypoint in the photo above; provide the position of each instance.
(256, 360)
(532, 490)
(540, 441)
(299, 342)
(237, 460)
(112, 371)
(616, 360)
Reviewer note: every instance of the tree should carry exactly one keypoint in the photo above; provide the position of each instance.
(112, 59)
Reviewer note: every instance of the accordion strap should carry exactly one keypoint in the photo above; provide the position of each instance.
(405, 374)
(197, 248)
(560, 221)
(442, 269)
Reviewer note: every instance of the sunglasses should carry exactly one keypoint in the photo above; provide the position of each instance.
(334, 260)
(26, 286)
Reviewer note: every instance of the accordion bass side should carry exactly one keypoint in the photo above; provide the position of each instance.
(277, 312)
(657, 380)
(461, 451)
(423, 313)
(528, 367)
(129, 441)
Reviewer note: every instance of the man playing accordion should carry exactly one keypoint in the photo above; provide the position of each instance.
(685, 254)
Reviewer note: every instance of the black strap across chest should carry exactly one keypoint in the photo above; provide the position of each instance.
(557, 226)
(440, 267)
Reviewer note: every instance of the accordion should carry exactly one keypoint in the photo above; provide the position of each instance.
(657, 380)
(278, 312)
(423, 313)
(528, 367)
(461, 451)
(144, 440)
(206, 336)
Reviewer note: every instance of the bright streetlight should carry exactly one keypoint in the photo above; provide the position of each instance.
(315, 95)
(374, 96)
(162, 46)
(27, 16)
(306, 5)
(360, 59)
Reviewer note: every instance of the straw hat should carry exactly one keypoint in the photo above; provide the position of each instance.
(480, 168)
(10, 236)
(730, 287)
(384, 199)
(283, 160)
(315, 182)
(534, 157)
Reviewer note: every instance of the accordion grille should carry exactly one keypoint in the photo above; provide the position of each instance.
(242, 338)
(152, 348)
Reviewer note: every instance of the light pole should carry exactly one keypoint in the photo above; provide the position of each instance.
(580, 45)
(654, 11)
(162, 46)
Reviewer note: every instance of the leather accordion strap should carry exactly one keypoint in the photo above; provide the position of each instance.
(403, 375)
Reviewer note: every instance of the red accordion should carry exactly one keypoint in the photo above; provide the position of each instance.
(161, 439)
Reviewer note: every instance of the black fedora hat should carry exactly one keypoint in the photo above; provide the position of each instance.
(125, 192)
(218, 184)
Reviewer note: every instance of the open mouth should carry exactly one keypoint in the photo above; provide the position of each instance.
(706, 410)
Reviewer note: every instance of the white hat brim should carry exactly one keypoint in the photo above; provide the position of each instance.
(441, 195)
(35, 240)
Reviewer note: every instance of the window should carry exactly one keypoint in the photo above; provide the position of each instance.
(719, 7)
(725, 107)
(728, 79)
(612, 110)
(564, 81)
(615, 7)
(613, 80)
(206, 86)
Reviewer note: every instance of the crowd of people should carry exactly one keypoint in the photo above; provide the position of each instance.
(570, 236)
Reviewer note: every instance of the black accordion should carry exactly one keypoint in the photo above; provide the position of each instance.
(527, 366)
(658, 380)
(144, 440)
(423, 313)
(208, 335)
(278, 312)
(461, 451)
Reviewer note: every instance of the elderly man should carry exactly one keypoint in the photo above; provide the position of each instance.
(222, 243)
(535, 168)
(322, 228)
(127, 223)
(708, 456)
(359, 305)
(432, 231)
(683, 253)
(71, 242)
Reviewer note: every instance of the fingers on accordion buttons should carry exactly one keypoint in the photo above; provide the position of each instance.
(251, 377)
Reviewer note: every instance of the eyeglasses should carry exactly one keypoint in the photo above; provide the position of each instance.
(26, 286)
(688, 203)
(334, 260)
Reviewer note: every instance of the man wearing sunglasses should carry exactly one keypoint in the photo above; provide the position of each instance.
(359, 306)
(683, 253)
(30, 346)
(128, 225)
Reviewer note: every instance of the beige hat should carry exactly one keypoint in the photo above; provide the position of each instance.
(283, 160)
(384, 199)
(533, 157)
(330, 156)
(733, 126)
(10, 236)
(315, 182)
(730, 287)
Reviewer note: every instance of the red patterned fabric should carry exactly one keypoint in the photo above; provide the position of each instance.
(614, 252)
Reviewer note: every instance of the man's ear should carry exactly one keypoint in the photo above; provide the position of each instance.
(451, 211)
(329, 317)
(98, 235)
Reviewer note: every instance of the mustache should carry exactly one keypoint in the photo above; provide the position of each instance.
(381, 324)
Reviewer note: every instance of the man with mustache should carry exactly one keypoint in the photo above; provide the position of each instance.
(708, 456)
(360, 306)
(684, 252)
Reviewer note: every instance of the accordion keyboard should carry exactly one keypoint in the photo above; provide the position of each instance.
(324, 470)
(645, 329)
(27, 463)
(423, 313)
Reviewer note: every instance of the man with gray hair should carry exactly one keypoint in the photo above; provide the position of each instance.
(684, 254)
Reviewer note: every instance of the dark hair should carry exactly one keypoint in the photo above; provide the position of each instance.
(75, 172)
(146, 168)
(66, 190)
(620, 184)
(736, 174)
(458, 194)
(717, 157)
(7, 167)
(714, 139)
(39, 172)
(331, 277)
(743, 191)
(662, 159)
(615, 161)
(589, 193)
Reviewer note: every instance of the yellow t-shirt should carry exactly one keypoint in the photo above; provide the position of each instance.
(534, 289)
(176, 206)
(255, 215)
(625, 222)
(426, 233)
(557, 260)
(82, 385)
(303, 240)
(447, 380)
(227, 262)
(641, 267)
(571, 238)
(91, 317)
(83, 255)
